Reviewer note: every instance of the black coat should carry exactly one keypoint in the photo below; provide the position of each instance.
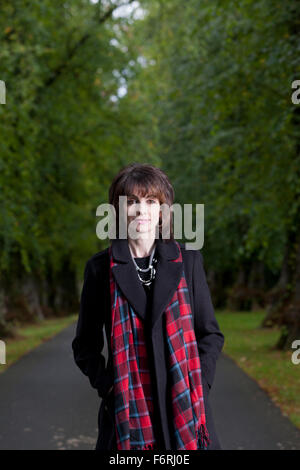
(95, 312)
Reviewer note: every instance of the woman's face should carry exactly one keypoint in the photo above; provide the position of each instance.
(142, 215)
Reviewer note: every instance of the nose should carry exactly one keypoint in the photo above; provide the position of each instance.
(142, 208)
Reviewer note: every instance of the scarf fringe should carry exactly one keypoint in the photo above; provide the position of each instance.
(203, 439)
(145, 447)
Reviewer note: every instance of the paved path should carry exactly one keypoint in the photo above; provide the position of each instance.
(47, 403)
(244, 415)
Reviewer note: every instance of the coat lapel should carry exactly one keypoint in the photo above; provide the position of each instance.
(126, 277)
(167, 278)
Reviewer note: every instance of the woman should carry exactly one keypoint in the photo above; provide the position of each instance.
(163, 339)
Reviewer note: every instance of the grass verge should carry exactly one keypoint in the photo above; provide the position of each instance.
(252, 348)
(30, 336)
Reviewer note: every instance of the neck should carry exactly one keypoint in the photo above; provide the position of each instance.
(141, 247)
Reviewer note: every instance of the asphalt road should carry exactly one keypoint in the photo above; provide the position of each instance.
(47, 403)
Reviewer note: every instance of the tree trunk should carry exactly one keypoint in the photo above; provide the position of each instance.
(6, 329)
(235, 300)
(289, 318)
(276, 295)
(257, 285)
(23, 300)
(216, 287)
(63, 286)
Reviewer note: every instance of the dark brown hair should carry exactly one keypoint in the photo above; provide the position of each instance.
(142, 179)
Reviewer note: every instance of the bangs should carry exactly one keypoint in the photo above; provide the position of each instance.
(145, 188)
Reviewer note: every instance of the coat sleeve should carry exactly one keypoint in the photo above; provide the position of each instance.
(209, 338)
(89, 339)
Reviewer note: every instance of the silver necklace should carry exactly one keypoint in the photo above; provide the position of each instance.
(150, 268)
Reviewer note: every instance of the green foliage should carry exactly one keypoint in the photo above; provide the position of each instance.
(62, 137)
(221, 97)
(208, 99)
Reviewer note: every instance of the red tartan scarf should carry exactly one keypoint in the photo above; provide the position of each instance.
(132, 384)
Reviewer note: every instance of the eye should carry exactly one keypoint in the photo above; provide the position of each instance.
(152, 201)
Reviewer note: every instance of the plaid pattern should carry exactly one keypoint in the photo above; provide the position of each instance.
(132, 384)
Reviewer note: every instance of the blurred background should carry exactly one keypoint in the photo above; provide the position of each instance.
(201, 89)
